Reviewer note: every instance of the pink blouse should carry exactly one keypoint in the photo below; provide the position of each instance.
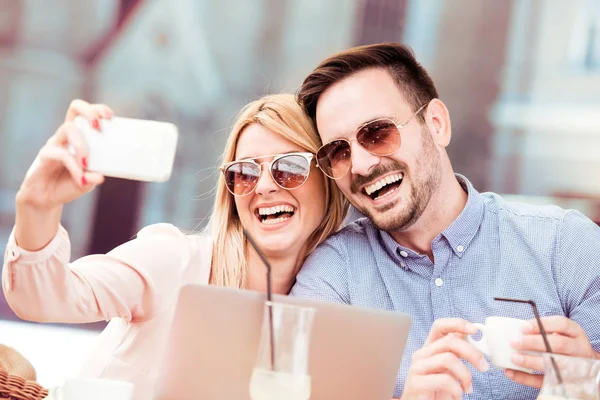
(135, 287)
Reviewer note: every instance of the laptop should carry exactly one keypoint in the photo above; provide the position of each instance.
(355, 352)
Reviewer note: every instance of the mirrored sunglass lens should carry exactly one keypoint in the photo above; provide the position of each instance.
(241, 178)
(290, 171)
(334, 158)
(381, 138)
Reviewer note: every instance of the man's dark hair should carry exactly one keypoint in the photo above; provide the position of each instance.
(398, 59)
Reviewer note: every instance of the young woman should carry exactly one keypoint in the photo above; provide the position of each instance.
(270, 186)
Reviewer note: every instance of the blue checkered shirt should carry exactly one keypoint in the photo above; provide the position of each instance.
(493, 249)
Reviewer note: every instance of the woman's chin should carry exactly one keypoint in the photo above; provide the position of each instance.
(277, 246)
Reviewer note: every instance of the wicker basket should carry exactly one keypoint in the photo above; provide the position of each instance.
(16, 388)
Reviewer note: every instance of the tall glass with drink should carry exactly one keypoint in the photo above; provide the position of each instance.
(578, 378)
(281, 369)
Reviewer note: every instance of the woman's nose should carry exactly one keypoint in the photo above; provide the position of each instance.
(266, 185)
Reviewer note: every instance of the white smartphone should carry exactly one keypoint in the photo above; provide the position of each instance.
(129, 148)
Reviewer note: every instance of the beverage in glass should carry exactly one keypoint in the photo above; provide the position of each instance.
(577, 378)
(281, 369)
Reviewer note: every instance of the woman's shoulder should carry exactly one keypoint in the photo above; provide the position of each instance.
(187, 254)
(162, 228)
(199, 243)
(171, 231)
(165, 240)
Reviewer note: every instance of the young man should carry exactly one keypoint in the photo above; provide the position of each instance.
(432, 246)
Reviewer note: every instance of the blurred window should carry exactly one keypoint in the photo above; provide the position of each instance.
(380, 20)
(586, 38)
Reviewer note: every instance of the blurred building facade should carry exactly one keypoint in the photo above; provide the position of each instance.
(43, 48)
(547, 117)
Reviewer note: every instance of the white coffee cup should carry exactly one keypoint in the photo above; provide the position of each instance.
(95, 389)
(497, 333)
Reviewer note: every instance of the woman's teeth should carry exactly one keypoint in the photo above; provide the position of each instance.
(275, 210)
(274, 220)
(276, 214)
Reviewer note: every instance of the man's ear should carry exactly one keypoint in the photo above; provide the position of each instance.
(437, 118)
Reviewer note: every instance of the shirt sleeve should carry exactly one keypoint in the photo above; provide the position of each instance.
(324, 275)
(127, 282)
(578, 258)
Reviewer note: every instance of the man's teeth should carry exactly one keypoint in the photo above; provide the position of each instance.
(275, 210)
(382, 182)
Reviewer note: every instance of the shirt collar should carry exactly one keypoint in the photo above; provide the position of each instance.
(459, 234)
(462, 230)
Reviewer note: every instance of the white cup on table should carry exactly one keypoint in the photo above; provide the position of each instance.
(94, 389)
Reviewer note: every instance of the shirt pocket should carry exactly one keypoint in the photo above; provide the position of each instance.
(545, 307)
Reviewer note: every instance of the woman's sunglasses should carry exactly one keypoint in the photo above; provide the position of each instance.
(289, 171)
(380, 137)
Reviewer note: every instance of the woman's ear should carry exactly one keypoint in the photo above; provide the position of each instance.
(438, 121)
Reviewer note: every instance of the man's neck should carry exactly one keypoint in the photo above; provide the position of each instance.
(283, 273)
(444, 207)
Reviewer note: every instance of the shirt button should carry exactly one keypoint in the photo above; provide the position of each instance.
(460, 248)
(439, 282)
(404, 254)
(403, 265)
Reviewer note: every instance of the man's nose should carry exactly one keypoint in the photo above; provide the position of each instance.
(362, 160)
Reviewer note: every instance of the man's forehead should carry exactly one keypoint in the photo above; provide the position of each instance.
(356, 100)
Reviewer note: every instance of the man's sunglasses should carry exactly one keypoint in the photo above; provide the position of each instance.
(289, 171)
(380, 137)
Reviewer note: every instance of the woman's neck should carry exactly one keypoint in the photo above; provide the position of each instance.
(283, 272)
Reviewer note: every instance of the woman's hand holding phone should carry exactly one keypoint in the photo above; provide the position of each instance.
(57, 176)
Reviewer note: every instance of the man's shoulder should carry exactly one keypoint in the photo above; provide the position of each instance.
(497, 204)
(340, 252)
(358, 230)
(355, 237)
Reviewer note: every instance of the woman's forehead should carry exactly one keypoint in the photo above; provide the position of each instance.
(257, 141)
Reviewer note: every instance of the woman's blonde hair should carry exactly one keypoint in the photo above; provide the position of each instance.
(281, 114)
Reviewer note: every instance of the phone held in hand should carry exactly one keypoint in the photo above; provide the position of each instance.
(129, 148)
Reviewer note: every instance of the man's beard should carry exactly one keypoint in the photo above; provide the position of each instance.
(425, 182)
